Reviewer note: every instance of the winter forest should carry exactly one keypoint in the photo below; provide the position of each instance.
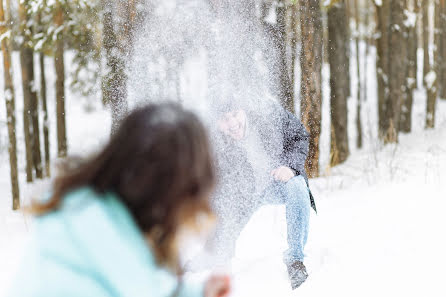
(367, 79)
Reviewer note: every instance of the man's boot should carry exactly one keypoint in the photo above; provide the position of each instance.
(297, 273)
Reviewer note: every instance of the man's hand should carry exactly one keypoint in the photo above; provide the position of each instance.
(282, 173)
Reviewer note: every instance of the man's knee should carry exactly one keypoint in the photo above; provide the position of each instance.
(297, 189)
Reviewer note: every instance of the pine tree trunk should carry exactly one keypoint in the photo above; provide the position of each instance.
(43, 98)
(311, 79)
(46, 129)
(442, 50)
(34, 107)
(397, 71)
(431, 78)
(33, 111)
(62, 147)
(358, 86)
(294, 38)
(368, 43)
(411, 41)
(5, 25)
(338, 42)
(285, 83)
(382, 64)
(27, 67)
(115, 80)
(426, 62)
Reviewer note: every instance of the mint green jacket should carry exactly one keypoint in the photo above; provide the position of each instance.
(92, 247)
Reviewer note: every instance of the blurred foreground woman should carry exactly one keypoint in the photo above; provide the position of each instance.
(112, 225)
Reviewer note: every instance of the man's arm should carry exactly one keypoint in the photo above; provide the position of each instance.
(295, 143)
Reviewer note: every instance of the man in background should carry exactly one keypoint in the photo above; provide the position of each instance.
(261, 160)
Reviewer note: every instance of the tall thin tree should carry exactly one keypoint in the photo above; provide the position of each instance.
(43, 99)
(411, 80)
(426, 62)
(117, 39)
(397, 71)
(59, 63)
(285, 82)
(29, 94)
(311, 79)
(442, 50)
(293, 45)
(431, 78)
(382, 61)
(359, 76)
(338, 44)
(5, 31)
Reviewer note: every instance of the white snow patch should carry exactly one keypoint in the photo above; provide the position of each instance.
(378, 2)
(430, 79)
(411, 19)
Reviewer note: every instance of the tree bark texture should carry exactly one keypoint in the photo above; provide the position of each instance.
(46, 128)
(338, 42)
(29, 94)
(397, 71)
(358, 85)
(5, 25)
(119, 24)
(411, 80)
(431, 78)
(426, 31)
(442, 51)
(62, 147)
(382, 62)
(311, 79)
(285, 81)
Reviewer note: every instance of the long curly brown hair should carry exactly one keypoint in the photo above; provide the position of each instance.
(159, 162)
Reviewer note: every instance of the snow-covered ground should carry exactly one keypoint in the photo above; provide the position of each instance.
(377, 233)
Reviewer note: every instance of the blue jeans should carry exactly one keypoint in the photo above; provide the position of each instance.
(296, 197)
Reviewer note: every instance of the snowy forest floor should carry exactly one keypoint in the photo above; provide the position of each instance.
(377, 233)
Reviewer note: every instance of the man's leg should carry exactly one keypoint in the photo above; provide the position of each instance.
(297, 201)
(296, 197)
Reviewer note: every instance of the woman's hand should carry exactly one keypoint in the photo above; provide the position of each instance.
(282, 173)
(217, 286)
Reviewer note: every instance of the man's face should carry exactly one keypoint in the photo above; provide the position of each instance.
(233, 124)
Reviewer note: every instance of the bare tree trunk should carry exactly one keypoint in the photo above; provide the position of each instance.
(406, 109)
(426, 31)
(338, 42)
(311, 65)
(62, 147)
(431, 78)
(382, 62)
(26, 63)
(43, 98)
(442, 51)
(294, 37)
(46, 132)
(368, 43)
(115, 79)
(34, 107)
(285, 83)
(397, 71)
(5, 25)
(358, 86)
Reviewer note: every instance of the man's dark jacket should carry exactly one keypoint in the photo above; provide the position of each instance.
(284, 139)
